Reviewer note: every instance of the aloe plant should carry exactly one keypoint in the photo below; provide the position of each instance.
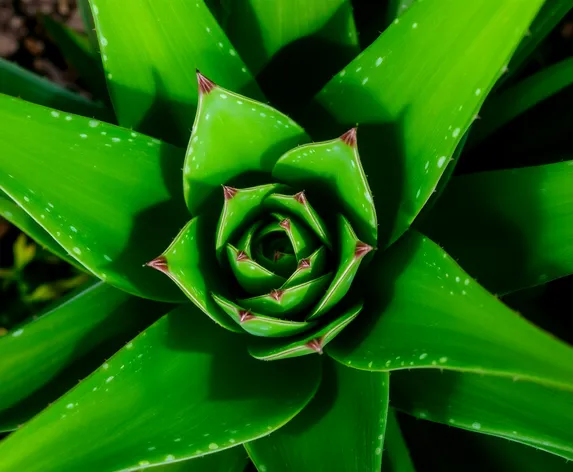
(272, 294)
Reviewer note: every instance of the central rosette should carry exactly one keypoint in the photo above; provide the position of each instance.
(280, 228)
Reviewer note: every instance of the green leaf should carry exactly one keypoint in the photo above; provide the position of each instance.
(351, 253)
(397, 8)
(520, 411)
(333, 167)
(245, 242)
(415, 92)
(423, 310)
(78, 52)
(308, 269)
(511, 103)
(150, 54)
(290, 301)
(311, 343)
(252, 276)
(111, 197)
(171, 394)
(190, 263)
(301, 238)
(281, 263)
(230, 460)
(19, 82)
(232, 136)
(35, 353)
(342, 428)
(19, 218)
(511, 229)
(299, 206)
(260, 325)
(241, 206)
(396, 455)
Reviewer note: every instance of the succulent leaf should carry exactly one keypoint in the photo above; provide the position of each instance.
(261, 325)
(519, 411)
(510, 229)
(423, 310)
(172, 360)
(357, 402)
(308, 269)
(234, 138)
(245, 242)
(334, 168)
(108, 195)
(301, 238)
(396, 455)
(457, 56)
(310, 343)
(150, 68)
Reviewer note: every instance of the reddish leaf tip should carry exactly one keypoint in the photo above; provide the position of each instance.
(300, 197)
(245, 315)
(205, 85)
(242, 256)
(277, 294)
(304, 264)
(362, 249)
(285, 224)
(315, 345)
(229, 192)
(349, 137)
(159, 263)
(277, 255)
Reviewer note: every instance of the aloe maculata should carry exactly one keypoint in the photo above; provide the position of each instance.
(310, 281)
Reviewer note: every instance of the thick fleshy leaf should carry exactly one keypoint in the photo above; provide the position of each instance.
(19, 82)
(19, 218)
(341, 429)
(290, 301)
(78, 52)
(170, 394)
(521, 411)
(252, 276)
(516, 100)
(415, 92)
(311, 343)
(109, 196)
(396, 454)
(230, 460)
(189, 261)
(301, 238)
(151, 67)
(260, 325)
(245, 242)
(308, 269)
(334, 168)
(241, 206)
(299, 206)
(423, 310)
(233, 138)
(281, 263)
(351, 254)
(397, 8)
(35, 353)
(510, 229)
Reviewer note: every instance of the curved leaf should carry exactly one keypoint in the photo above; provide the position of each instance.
(396, 454)
(150, 54)
(511, 229)
(301, 238)
(308, 269)
(200, 373)
(520, 411)
(415, 92)
(341, 429)
(423, 310)
(109, 196)
(230, 460)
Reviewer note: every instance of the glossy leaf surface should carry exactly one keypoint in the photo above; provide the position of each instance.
(34, 353)
(199, 372)
(520, 411)
(422, 310)
(342, 428)
(511, 229)
(230, 460)
(308, 269)
(111, 197)
(396, 454)
(415, 91)
(301, 238)
(150, 54)
(233, 137)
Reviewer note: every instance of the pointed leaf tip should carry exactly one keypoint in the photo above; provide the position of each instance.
(229, 192)
(315, 345)
(285, 224)
(205, 85)
(304, 264)
(300, 197)
(159, 263)
(349, 137)
(242, 256)
(245, 315)
(277, 255)
(277, 294)
(362, 249)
